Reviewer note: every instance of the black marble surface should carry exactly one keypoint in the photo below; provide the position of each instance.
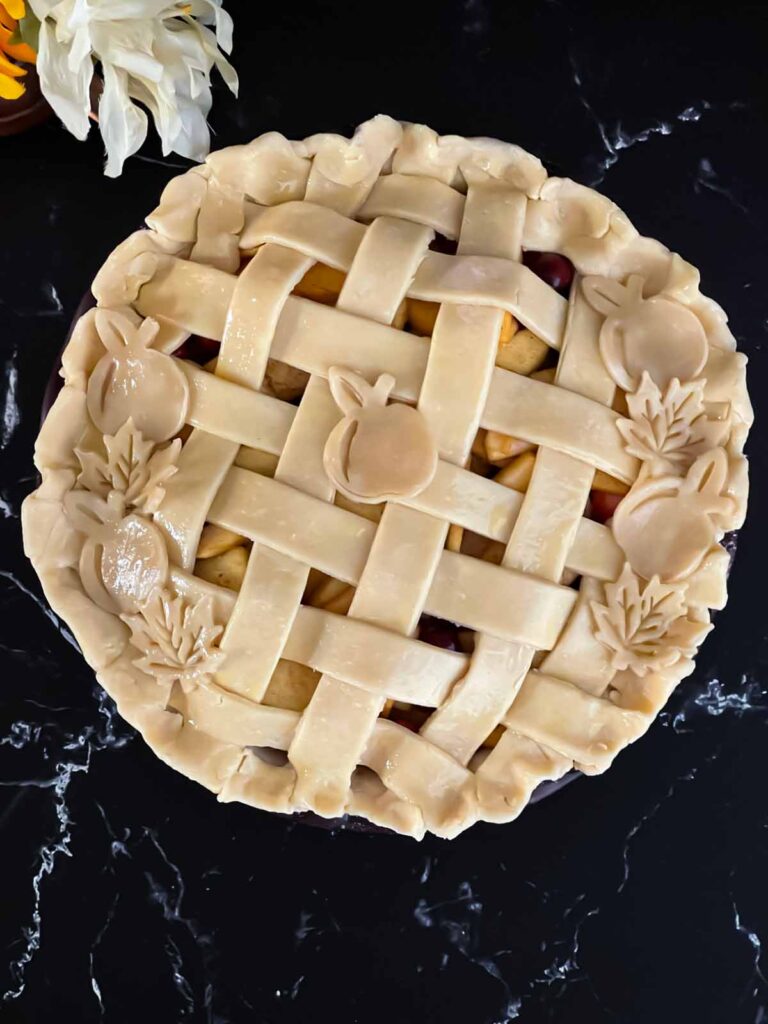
(126, 892)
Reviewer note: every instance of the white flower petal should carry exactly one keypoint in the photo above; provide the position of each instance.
(67, 92)
(193, 139)
(226, 70)
(123, 125)
(131, 10)
(129, 45)
(164, 116)
(72, 15)
(208, 11)
(42, 8)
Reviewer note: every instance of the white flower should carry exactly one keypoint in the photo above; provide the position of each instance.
(157, 52)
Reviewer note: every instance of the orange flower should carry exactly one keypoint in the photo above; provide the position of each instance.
(10, 72)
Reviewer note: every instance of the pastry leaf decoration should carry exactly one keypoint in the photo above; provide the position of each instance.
(131, 466)
(178, 639)
(646, 628)
(670, 430)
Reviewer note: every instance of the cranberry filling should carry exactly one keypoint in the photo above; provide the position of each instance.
(402, 719)
(439, 633)
(442, 244)
(602, 505)
(551, 267)
(198, 350)
(411, 718)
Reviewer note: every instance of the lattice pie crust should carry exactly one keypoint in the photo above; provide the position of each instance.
(363, 485)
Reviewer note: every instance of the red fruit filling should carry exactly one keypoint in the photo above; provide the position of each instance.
(439, 633)
(556, 270)
(198, 350)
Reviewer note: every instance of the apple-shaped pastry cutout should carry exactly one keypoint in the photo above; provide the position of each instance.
(133, 380)
(667, 524)
(124, 558)
(378, 452)
(658, 334)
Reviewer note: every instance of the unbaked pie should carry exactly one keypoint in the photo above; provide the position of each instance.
(389, 476)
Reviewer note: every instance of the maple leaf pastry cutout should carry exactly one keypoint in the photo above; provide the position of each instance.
(130, 465)
(669, 430)
(647, 628)
(178, 639)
